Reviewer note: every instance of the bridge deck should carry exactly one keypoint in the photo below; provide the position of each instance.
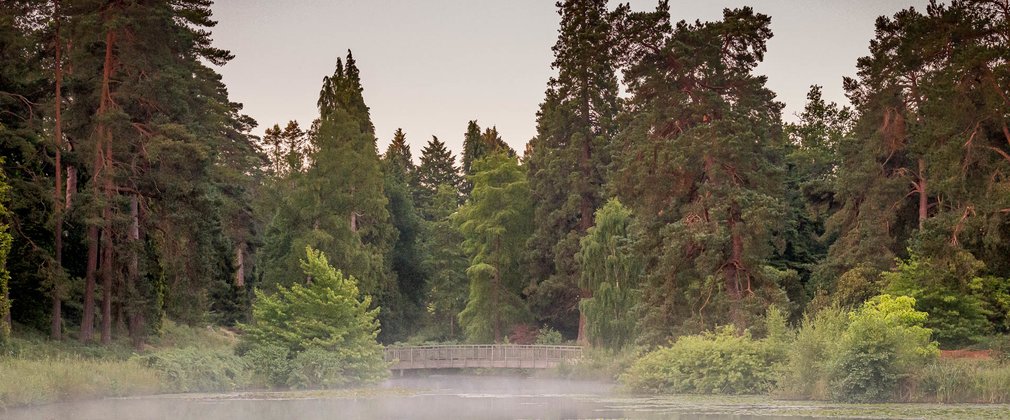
(481, 356)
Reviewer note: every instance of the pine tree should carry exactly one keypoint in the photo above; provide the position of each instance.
(398, 157)
(445, 263)
(406, 257)
(709, 131)
(496, 223)
(437, 169)
(811, 166)
(476, 146)
(338, 204)
(571, 152)
(925, 162)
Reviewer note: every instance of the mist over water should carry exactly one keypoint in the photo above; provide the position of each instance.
(461, 397)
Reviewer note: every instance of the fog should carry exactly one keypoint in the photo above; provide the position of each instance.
(411, 397)
(477, 397)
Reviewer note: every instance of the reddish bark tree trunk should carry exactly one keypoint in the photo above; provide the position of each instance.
(56, 328)
(923, 199)
(107, 237)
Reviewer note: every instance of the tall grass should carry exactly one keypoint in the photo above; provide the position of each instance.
(44, 380)
(968, 381)
(36, 370)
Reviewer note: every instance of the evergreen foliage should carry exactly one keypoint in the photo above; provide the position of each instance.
(320, 334)
(446, 265)
(569, 156)
(718, 152)
(437, 169)
(495, 223)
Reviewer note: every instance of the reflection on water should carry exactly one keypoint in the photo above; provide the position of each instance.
(466, 397)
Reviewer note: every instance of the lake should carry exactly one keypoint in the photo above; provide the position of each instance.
(483, 397)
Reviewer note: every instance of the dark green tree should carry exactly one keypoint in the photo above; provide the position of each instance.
(811, 166)
(446, 265)
(570, 154)
(704, 127)
(406, 257)
(338, 204)
(437, 169)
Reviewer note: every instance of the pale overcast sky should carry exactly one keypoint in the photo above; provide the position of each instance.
(430, 66)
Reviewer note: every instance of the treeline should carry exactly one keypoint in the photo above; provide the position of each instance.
(138, 190)
(131, 173)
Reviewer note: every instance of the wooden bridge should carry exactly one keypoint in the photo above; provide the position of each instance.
(481, 356)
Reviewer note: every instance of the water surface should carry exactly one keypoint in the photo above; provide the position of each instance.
(480, 397)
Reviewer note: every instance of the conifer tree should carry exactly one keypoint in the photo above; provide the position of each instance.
(446, 264)
(571, 152)
(709, 131)
(437, 169)
(495, 222)
(406, 257)
(476, 146)
(338, 205)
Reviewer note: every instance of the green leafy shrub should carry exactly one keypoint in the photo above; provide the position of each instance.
(719, 362)
(269, 363)
(883, 343)
(326, 316)
(945, 288)
(805, 375)
(549, 336)
(194, 369)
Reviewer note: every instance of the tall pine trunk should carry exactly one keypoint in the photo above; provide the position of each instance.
(923, 199)
(56, 329)
(107, 237)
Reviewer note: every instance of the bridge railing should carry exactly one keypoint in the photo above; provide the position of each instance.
(481, 355)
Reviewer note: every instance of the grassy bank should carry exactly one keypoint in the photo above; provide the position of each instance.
(36, 370)
(40, 381)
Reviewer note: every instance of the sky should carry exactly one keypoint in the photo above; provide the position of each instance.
(429, 66)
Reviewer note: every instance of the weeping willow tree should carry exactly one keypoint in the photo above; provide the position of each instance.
(496, 224)
(611, 270)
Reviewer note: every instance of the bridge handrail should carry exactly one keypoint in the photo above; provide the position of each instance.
(485, 352)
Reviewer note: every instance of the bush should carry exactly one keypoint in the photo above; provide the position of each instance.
(192, 369)
(327, 316)
(945, 288)
(883, 343)
(805, 375)
(549, 336)
(719, 362)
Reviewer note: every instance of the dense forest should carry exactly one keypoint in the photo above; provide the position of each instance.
(663, 194)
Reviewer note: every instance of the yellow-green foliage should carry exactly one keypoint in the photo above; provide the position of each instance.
(859, 356)
(58, 379)
(719, 362)
(806, 373)
(884, 343)
(327, 316)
